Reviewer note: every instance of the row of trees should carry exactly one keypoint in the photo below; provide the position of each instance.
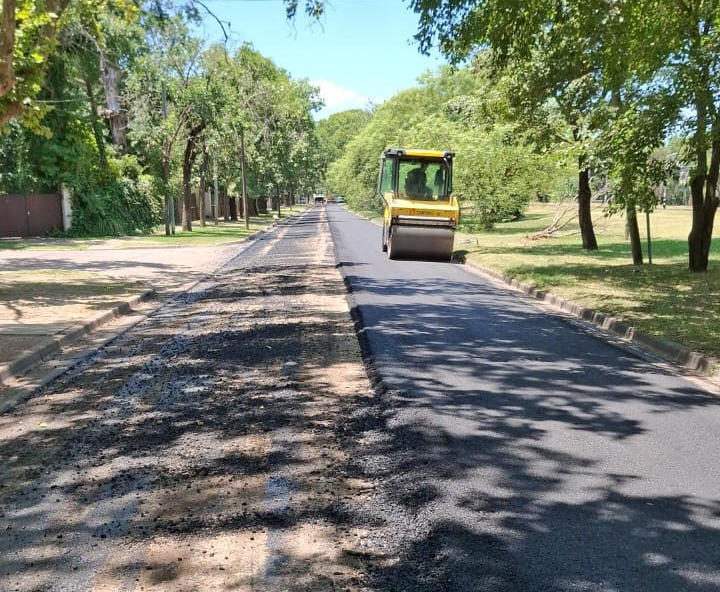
(122, 103)
(552, 93)
(623, 75)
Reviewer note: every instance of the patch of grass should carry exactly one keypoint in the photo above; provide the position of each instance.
(200, 236)
(663, 299)
(42, 243)
(372, 215)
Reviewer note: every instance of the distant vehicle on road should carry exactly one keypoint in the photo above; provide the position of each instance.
(319, 198)
(339, 199)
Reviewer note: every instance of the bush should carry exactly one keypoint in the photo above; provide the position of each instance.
(119, 207)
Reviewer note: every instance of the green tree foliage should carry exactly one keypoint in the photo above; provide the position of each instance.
(337, 130)
(497, 168)
(266, 112)
(683, 64)
(70, 143)
(608, 67)
(129, 106)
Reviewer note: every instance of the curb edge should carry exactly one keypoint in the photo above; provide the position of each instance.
(669, 350)
(29, 358)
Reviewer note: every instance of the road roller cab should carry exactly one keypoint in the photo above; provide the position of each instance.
(420, 212)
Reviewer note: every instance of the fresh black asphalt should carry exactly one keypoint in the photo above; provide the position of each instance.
(527, 454)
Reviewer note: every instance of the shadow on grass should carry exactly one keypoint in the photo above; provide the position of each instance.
(669, 249)
(527, 224)
(25, 299)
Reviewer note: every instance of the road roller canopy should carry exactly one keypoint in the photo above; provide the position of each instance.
(424, 175)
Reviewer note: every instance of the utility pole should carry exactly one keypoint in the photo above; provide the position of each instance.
(203, 184)
(170, 202)
(216, 200)
(246, 209)
(649, 241)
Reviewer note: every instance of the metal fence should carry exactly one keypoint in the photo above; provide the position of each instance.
(32, 214)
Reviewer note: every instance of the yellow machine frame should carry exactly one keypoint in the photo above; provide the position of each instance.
(412, 226)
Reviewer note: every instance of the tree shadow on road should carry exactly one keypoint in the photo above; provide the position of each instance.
(503, 452)
(520, 454)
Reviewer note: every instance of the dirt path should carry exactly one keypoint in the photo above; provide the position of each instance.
(207, 449)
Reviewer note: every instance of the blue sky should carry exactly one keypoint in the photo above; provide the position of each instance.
(361, 51)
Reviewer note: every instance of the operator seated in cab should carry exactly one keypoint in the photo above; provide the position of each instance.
(416, 186)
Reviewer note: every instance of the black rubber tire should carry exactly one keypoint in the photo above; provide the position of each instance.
(383, 239)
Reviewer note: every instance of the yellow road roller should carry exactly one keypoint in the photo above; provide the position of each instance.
(420, 212)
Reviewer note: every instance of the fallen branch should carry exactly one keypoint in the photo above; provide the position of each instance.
(562, 218)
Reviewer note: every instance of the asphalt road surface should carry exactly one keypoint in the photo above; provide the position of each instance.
(519, 452)
(207, 448)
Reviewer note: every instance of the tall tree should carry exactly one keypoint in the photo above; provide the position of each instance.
(683, 63)
(658, 48)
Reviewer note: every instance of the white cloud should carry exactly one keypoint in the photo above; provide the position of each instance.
(337, 98)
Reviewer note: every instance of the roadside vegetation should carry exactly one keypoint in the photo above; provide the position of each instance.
(211, 234)
(573, 103)
(121, 103)
(574, 109)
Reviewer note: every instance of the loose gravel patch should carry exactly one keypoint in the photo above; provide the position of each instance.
(227, 442)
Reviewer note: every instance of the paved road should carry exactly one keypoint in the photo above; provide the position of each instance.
(205, 449)
(521, 453)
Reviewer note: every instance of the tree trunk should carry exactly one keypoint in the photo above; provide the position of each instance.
(243, 165)
(116, 117)
(188, 161)
(168, 202)
(233, 208)
(634, 234)
(226, 205)
(203, 174)
(705, 201)
(95, 121)
(216, 195)
(7, 45)
(587, 232)
(703, 220)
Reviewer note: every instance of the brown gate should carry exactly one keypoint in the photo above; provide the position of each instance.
(33, 214)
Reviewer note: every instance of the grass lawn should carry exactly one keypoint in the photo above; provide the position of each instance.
(663, 299)
(200, 236)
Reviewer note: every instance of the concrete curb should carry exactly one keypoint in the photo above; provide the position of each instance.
(26, 360)
(669, 350)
